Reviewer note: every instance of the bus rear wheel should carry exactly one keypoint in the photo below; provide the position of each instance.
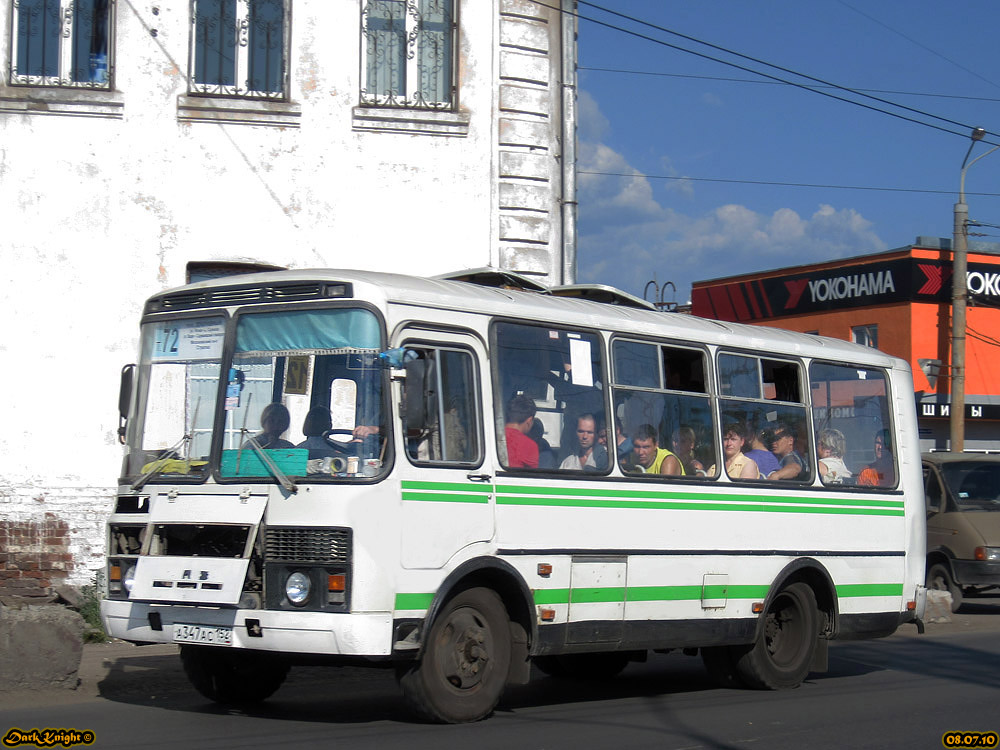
(781, 656)
(232, 676)
(466, 658)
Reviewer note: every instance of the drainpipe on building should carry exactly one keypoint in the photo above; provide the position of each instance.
(568, 136)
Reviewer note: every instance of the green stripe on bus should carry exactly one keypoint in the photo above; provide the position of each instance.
(409, 484)
(584, 492)
(444, 497)
(551, 596)
(566, 502)
(648, 594)
(413, 601)
(869, 589)
(592, 595)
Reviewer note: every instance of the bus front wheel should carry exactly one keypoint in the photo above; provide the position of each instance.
(781, 656)
(466, 658)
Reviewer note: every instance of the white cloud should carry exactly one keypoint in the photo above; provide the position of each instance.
(626, 237)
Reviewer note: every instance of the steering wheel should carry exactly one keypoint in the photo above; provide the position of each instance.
(339, 445)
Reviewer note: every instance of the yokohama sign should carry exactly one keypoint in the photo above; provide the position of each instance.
(863, 285)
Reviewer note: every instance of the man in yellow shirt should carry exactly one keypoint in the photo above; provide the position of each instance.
(650, 457)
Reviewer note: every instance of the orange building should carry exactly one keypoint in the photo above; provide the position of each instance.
(898, 301)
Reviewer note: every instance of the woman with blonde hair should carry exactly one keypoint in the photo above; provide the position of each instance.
(831, 446)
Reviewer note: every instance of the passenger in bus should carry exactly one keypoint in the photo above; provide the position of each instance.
(683, 441)
(623, 442)
(738, 464)
(317, 422)
(831, 446)
(756, 448)
(649, 457)
(546, 456)
(589, 455)
(792, 465)
(274, 421)
(881, 472)
(522, 451)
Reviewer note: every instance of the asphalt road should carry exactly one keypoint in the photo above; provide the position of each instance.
(903, 691)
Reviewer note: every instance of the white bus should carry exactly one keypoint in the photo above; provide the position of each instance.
(337, 466)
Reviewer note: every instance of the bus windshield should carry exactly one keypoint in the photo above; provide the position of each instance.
(179, 367)
(301, 396)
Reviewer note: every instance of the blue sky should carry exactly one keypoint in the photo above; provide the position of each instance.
(682, 123)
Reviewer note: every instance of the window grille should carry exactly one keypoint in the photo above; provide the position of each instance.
(62, 43)
(407, 53)
(239, 48)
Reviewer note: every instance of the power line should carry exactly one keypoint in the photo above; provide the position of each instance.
(780, 184)
(777, 83)
(661, 42)
(758, 61)
(919, 44)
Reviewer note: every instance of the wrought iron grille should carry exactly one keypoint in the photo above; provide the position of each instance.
(239, 48)
(298, 544)
(408, 53)
(62, 43)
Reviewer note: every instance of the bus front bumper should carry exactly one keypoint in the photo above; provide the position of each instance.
(364, 634)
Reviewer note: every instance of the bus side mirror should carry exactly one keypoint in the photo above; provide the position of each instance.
(124, 400)
(416, 400)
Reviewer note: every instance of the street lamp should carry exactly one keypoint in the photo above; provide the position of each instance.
(959, 295)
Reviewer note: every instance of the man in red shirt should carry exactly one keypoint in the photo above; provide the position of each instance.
(522, 451)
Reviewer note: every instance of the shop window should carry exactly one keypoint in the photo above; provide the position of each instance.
(865, 335)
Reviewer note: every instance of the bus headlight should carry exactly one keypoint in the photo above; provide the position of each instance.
(128, 580)
(987, 554)
(297, 588)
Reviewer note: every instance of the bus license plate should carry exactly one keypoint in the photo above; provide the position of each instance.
(209, 635)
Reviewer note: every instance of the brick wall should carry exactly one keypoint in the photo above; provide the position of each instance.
(50, 537)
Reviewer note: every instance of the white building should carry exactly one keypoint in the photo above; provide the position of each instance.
(146, 143)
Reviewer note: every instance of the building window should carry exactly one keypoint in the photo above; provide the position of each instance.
(238, 48)
(407, 53)
(62, 43)
(865, 335)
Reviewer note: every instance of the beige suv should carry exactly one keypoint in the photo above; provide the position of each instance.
(963, 522)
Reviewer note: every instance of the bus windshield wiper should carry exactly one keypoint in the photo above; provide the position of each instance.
(282, 478)
(162, 461)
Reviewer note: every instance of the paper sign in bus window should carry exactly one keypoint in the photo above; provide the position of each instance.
(579, 357)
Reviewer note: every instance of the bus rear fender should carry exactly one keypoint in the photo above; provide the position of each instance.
(811, 572)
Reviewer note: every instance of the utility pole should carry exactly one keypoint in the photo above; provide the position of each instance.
(959, 299)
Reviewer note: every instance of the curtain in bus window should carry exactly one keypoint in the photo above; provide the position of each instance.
(306, 330)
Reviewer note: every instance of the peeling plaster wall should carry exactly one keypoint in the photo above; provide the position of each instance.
(105, 197)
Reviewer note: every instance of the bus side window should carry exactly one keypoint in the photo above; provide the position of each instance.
(448, 432)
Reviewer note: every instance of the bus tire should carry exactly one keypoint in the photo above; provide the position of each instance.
(939, 578)
(783, 652)
(601, 665)
(463, 669)
(233, 676)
